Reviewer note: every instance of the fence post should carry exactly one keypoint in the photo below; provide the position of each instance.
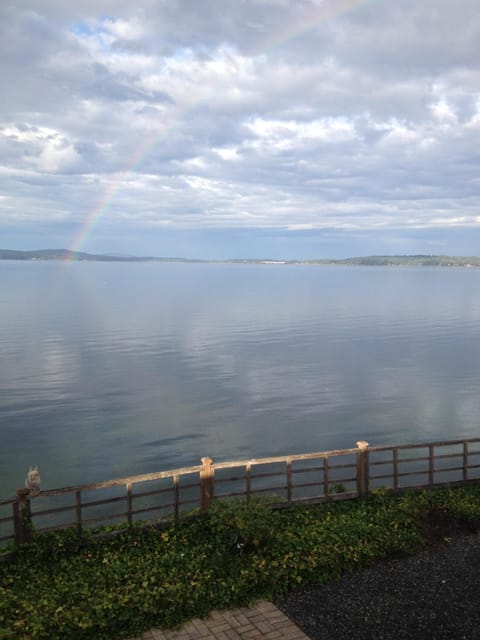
(129, 503)
(176, 498)
(248, 478)
(22, 519)
(78, 511)
(465, 462)
(289, 480)
(206, 484)
(362, 469)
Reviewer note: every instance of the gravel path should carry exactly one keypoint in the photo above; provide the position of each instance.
(434, 595)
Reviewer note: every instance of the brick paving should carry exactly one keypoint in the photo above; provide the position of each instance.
(263, 620)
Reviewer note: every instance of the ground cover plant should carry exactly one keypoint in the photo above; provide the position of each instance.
(63, 586)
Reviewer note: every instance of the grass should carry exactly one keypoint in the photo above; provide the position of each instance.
(63, 586)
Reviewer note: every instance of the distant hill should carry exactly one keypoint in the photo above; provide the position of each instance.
(66, 254)
(411, 261)
(392, 261)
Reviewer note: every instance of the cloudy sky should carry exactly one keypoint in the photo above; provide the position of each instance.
(240, 128)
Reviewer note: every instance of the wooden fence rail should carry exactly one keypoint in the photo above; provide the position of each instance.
(292, 479)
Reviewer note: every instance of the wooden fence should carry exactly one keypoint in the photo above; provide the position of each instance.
(293, 479)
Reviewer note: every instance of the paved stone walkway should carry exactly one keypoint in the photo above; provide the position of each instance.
(263, 620)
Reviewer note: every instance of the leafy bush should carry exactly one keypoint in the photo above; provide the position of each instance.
(65, 586)
(242, 526)
(337, 487)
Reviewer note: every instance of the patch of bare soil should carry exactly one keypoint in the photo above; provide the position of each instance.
(439, 526)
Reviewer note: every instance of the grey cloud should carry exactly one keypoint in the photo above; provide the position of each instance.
(259, 114)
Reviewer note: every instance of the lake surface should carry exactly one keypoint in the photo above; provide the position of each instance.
(112, 369)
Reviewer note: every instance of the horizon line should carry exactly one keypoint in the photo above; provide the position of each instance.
(279, 260)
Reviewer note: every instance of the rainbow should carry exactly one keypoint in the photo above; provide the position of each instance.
(327, 10)
(116, 182)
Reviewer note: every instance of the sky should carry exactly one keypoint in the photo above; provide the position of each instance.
(240, 128)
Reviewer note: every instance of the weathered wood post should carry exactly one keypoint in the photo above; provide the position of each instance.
(248, 480)
(176, 498)
(289, 480)
(129, 503)
(78, 511)
(207, 486)
(465, 462)
(22, 520)
(362, 468)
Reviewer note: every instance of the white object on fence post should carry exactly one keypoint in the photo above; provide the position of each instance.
(32, 482)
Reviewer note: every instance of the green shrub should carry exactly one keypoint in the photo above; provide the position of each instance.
(66, 586)
(337, 487)
(242, 526)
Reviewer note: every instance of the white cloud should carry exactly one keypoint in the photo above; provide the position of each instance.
(130, 30)
(474, 121)
(326, 129)
(227, 153)
(42, 147)
(399, 134)
(444, 112)
(56, 155)
(27, 133)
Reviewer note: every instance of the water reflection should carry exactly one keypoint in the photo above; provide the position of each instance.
(113, 369)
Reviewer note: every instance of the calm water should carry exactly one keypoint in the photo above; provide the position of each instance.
(113, 369)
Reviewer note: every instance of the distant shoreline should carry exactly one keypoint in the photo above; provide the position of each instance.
(387, 260)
